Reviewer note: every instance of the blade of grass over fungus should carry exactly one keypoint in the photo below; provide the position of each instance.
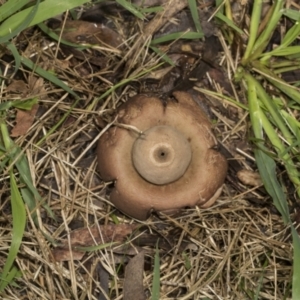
(25, 21)
(46, 10)
(195, 15)
(156, 276)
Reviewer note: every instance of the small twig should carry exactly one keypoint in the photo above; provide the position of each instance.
(130, 127)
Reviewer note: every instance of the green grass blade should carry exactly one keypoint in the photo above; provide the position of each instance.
(296, 264)
(24, 104)
(292, 14)
(229, 23)
(254, 25)
(284, 51)
(176, 36)
(95, 247)
(195, 15)
(267, 171)
(5, 105)
(25, 176)
(265, 36)
(19, 221)
(221, 97)
(280, 149)
(292, 123)
(265, 164)
(10, 7)
(276, 81)
(163, 56)
(260, 283)
(291, 35)
(16, 55)
(156, 277)
(128, 6)
(14, 152)
(46, 10)
(272, 109)
(14, 274)
(22, 24)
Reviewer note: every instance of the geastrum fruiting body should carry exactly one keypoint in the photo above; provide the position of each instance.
(164, 159)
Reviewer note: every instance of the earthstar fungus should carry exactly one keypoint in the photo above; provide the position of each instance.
(173, 163)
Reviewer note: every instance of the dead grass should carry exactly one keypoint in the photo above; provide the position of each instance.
(238, 249)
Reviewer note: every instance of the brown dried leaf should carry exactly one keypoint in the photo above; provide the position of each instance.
(133, 283)
(108, 233)
(87, 237)
(64, 254)
(24, 120)
(18, 86)
(36, 85)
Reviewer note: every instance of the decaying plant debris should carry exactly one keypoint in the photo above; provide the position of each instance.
(234, 250)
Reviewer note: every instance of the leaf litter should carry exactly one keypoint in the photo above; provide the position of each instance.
(217, 253)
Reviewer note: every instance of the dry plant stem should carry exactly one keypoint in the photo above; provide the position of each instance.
(95, 140)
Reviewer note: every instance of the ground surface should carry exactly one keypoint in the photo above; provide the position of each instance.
(237, 249)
